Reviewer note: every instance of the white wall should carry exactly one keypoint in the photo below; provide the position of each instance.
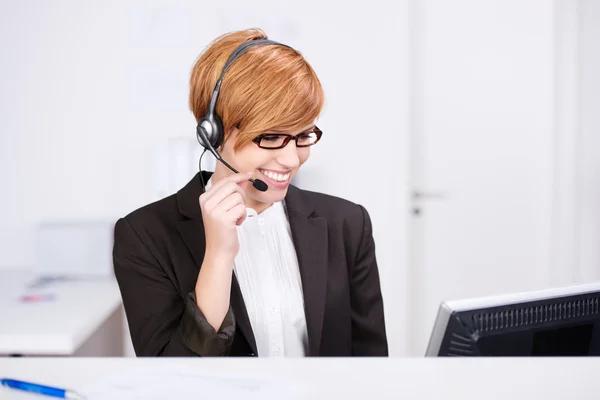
(66, 121)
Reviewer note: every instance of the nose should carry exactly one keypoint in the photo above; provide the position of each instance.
(288, 156)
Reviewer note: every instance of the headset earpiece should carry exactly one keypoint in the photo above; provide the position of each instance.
(210, 131)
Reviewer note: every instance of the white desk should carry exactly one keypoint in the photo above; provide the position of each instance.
(372, 379)
(85, 318)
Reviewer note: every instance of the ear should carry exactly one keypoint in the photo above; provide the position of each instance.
(230, 138)
(233, 132)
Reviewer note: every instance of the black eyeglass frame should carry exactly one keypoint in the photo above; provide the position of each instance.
(288, 138)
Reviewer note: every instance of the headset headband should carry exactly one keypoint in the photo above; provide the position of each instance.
(237, 53)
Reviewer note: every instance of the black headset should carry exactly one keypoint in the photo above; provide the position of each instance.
(210, 132)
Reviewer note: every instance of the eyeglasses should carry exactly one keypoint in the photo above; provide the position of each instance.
(272, 141)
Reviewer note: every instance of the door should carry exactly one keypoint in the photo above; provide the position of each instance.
(482, 152)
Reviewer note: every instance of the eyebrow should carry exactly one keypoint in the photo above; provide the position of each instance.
(276, 132)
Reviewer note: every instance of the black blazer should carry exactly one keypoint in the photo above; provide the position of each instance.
(159, 248)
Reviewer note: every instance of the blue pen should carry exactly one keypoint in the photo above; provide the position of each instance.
(41, 389)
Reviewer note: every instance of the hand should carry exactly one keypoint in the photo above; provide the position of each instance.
(223, 209)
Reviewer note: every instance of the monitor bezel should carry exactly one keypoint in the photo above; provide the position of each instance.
(449, 308)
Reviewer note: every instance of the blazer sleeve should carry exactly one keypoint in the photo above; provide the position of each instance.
(368, 323)
(161, 321)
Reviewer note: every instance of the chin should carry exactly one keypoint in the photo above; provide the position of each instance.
(271, 195)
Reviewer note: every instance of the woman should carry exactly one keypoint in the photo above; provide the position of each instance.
(224, 269)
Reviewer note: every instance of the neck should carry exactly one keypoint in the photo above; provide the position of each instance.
(222, 171)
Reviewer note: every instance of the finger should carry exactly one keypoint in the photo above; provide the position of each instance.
(242, 214)
(235, 216)
(230, 202)
(216, 188)
(222, 193)
(236, 178)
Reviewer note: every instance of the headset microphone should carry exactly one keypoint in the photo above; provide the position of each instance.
(257, 183)
(210, 132)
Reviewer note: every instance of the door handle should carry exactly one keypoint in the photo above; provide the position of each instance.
(418, 195)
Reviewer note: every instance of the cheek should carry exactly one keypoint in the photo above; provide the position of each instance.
(248, 158)
(303, 155)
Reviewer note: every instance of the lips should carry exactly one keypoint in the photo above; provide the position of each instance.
(273, 179)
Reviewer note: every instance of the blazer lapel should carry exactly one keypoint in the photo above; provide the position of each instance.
(309, 234)
(241, 314)
(192, 232)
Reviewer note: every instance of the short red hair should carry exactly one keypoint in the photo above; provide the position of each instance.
(268, 88)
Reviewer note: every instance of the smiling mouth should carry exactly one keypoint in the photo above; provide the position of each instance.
(277, 177)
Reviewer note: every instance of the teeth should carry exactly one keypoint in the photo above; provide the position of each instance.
(276, 176)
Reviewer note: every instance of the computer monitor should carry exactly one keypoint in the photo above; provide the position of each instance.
(561, 321)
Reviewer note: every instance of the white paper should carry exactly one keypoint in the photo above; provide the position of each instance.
(12, 394)
(177, 382)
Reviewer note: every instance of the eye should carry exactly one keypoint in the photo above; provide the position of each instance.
(308, 137)
(270, 138)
